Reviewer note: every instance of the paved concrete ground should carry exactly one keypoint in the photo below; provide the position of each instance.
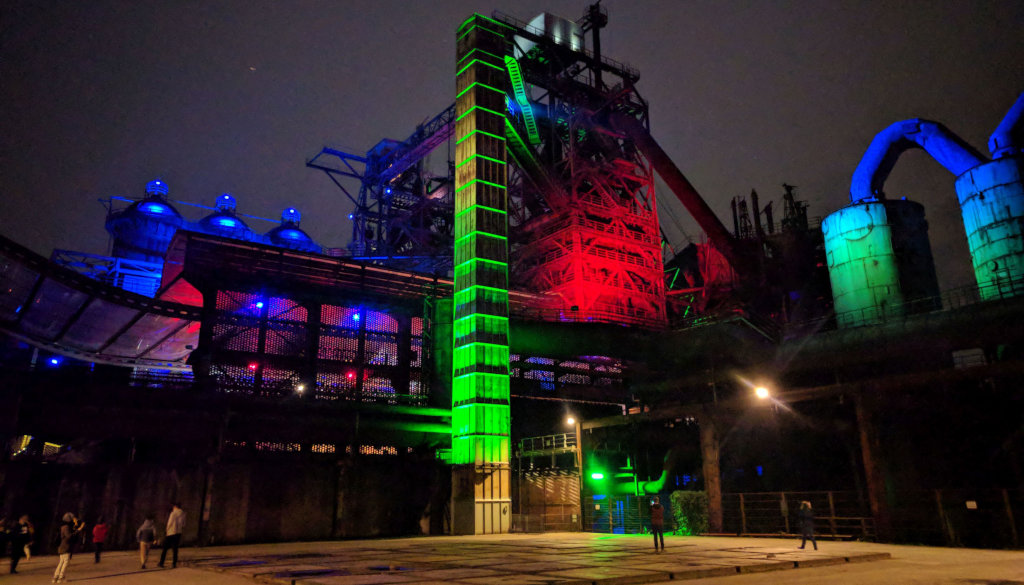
(555, 559)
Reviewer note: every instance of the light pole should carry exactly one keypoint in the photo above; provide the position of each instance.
(575, 423)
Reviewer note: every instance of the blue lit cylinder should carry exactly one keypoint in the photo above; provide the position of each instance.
(992, 204)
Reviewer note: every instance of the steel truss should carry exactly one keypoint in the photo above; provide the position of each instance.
(582, 202)
(402, 214)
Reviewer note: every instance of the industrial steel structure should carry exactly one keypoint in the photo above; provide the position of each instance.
(506, 265)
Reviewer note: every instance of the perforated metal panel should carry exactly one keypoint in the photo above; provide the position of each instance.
(336, 385)
(338, 345)
(382, 322)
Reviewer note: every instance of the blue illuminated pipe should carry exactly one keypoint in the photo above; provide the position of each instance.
(1008, 139)
(945, 147)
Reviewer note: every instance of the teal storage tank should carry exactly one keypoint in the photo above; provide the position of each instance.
(992, 204)
(879, 260)
(861, 264)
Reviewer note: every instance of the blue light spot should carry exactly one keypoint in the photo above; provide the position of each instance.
(154, 208)
(351, 216)
(760, 470)
(291, 234)
(227, 222)
(55, 361)
(387, 191)
(355, 317)
(259, 304)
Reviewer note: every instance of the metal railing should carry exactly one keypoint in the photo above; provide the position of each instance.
(837, 514)
(548, 443)
(947, 300)
(623, 69)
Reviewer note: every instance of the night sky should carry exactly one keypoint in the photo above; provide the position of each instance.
(97, 98)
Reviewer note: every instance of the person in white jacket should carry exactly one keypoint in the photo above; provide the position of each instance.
(175, 526)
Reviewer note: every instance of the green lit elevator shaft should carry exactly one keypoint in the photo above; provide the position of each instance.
(480, 385)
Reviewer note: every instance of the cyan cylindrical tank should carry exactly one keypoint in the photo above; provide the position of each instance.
(992, 204)
(879, 261)
(143, 230)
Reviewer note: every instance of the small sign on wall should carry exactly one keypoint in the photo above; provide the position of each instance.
(972, 505)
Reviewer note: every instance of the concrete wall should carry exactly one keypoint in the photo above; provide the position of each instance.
(261, 501)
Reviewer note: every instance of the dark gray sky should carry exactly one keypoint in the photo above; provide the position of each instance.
(98, 97)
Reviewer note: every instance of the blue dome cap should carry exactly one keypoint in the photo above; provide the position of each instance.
(158, 188)
(225, 202)
(291, 215)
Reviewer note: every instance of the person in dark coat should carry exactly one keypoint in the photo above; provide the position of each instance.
(146, 535)
(658, 523)
(21, 535)
(806, 517)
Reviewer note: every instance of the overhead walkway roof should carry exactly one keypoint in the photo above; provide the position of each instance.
(70, 314)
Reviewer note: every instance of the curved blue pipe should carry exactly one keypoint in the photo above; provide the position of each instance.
(1008, 139)
(937, 140)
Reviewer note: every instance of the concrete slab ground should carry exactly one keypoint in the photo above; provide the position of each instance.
(547, 559)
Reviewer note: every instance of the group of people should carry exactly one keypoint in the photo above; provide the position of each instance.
(805, 519)
(20, 537)
(146, 536)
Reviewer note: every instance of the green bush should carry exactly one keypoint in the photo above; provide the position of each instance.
(690, 512)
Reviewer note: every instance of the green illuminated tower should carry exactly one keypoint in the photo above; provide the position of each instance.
(481, 496)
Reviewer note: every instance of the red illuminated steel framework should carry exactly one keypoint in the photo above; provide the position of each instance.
(582, 207)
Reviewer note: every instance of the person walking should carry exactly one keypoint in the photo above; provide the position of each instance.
(21, 538)
(658, 523)
(69, 529)
(172, 538)
(99, 537)
(806, 517)
(146, 535)
(30, 539)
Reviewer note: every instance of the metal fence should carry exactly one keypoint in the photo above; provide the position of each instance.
(837, 514)
(987, 518)
(625, 514)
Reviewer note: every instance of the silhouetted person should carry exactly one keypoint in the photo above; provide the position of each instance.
(172, 539)
(99, 537)
(69, 530)
(658, 523)
(806, 518)
(21, 536)
(146, 535)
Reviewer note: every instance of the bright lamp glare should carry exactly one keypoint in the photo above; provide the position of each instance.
(570, 421)
(761, 392)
